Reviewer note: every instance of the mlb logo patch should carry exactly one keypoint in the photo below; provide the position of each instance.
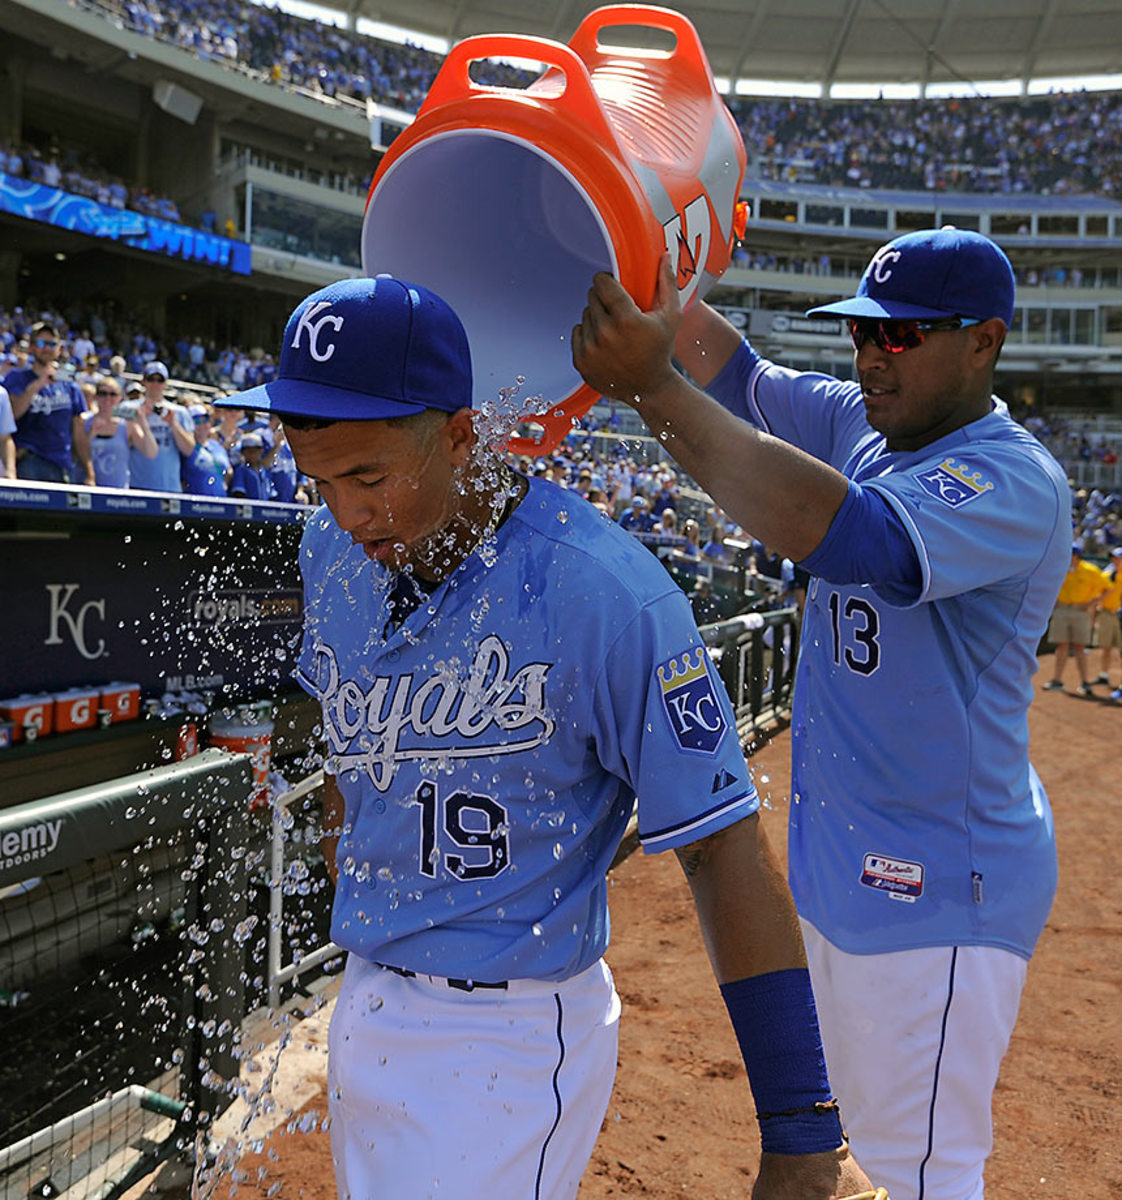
(900, 879)
(690, 701)
(952, 483)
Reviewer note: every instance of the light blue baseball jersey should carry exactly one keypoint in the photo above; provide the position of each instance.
(916, 817)
(490, 750)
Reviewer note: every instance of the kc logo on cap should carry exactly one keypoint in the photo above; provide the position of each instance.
(367, 350)
(931, 274)
(305, 322)
(879, 268)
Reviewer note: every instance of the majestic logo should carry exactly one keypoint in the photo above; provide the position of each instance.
(900, 879)
(314, 328)
(486, 710)
(691, 704)
(880, 268)
(953, 484)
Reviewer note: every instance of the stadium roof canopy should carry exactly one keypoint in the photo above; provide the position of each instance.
(827, 43)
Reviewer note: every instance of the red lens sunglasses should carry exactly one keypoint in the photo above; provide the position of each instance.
(894, 335)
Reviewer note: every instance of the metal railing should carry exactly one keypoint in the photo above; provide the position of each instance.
(755, 655)
(182, 823)
(278, 974)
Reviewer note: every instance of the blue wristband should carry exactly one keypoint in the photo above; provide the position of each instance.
(776, 1024)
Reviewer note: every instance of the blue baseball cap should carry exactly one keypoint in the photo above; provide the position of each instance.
(930, 274)
(366, 350)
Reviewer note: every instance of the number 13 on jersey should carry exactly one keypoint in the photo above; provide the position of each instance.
(855, 628)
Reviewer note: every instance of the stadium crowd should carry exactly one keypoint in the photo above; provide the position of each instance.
(293, 51)
(107, 342)
(1051, 145)
(87, 400)
(1044, 145)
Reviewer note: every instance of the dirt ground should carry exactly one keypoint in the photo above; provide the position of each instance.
(679, 1123)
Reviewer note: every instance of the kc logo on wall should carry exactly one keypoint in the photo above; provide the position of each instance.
(150, 600)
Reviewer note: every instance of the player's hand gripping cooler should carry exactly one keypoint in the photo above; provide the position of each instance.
(507, 201)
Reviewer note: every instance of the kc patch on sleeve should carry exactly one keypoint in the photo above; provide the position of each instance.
(689, 698)
(954, 483)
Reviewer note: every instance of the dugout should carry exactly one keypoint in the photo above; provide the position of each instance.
(122, 914)
(136, 891)
(181, 596)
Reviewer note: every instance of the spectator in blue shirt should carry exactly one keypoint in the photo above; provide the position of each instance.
(280, 464)
(204, 469)
(250, 479)
(47, 410)
(637, 519)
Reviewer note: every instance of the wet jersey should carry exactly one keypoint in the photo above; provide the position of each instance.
(490, 748)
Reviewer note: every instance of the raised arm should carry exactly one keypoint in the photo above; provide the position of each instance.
(184, 441)
(784, 496)
(705, 342)
(140, 434)
(21, 401)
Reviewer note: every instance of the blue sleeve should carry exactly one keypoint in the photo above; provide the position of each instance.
(867, 542)
(819, 414)
(16, 381)
(987, 514)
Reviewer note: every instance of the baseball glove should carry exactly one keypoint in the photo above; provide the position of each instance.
(879, 1194)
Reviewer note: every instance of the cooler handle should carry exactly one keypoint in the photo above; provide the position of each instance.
(688, 54)
(556, 424)
(453, 83)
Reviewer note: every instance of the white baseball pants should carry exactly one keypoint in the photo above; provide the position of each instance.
(493, 1094)
(914, 1040)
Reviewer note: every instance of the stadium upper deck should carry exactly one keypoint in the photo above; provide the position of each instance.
(258, 119)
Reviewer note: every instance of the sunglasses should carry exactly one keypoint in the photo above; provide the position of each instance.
(107, 392)
(203, 420)
(154, 379)
(895, 335)
(42, 343)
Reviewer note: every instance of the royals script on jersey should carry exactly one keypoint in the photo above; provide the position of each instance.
(491, 748)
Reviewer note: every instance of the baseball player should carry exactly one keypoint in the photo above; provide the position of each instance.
(937, 532)
(501, 671)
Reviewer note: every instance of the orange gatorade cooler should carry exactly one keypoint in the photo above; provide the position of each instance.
(507, 201)
(76, 709)
(121, 701)
(246, 730)
(33, 710)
